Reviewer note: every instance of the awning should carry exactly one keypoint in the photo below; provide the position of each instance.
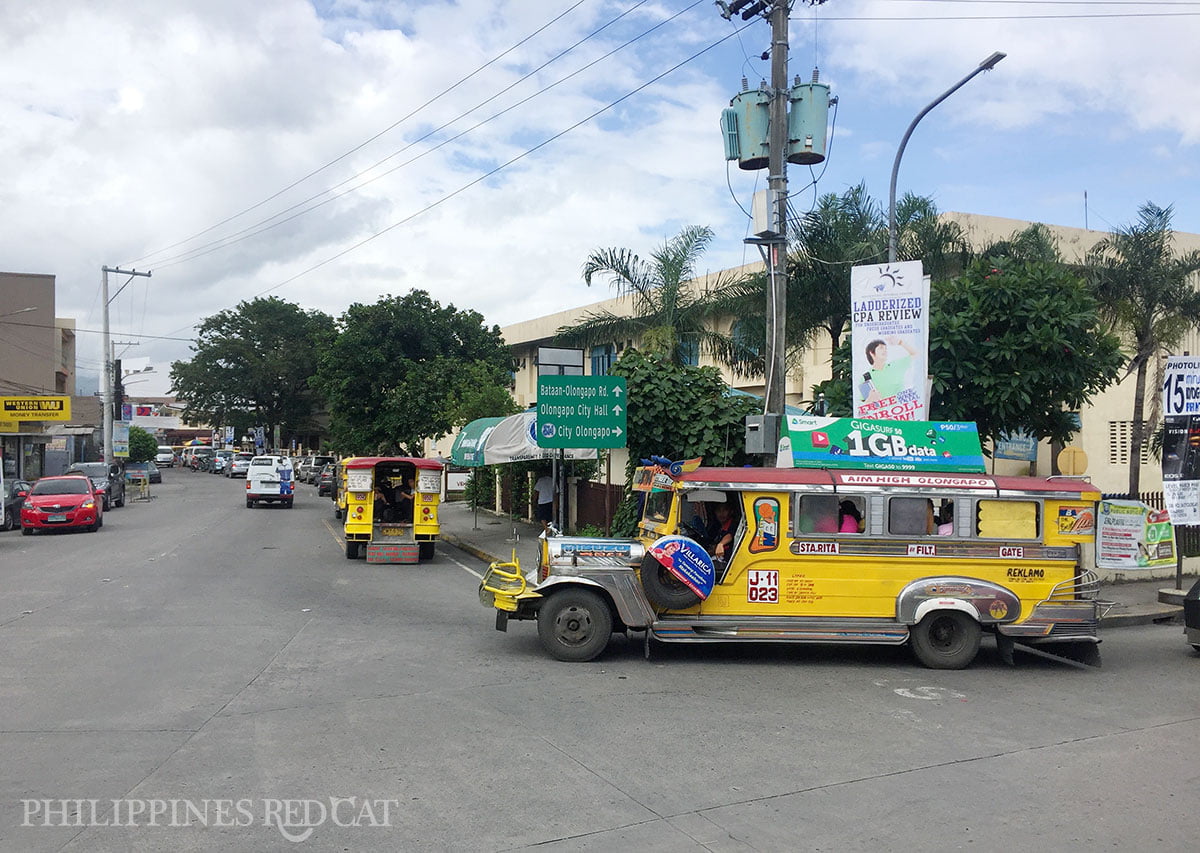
(494, 441)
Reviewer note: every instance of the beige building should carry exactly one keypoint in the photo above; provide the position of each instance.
(37, 357)
(1105, 424)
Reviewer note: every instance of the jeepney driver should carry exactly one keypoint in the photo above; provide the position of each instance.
(722, 531)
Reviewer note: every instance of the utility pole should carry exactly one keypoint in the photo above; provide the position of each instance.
(774, 393)
(108, 357)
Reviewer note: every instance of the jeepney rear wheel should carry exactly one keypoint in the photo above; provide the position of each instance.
(946, 639)
(575, 625)
(351, 550)
(663, 589)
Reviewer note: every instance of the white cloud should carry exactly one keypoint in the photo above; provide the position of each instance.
(131, 126)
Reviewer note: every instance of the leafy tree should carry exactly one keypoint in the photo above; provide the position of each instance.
(839, 233)
(1143, 288)
(1017, 346)
(253, 365)
(668, 317)
(678, 411)
(406, 369)
(142, 446)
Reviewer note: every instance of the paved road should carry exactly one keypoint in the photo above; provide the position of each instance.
(197, 651)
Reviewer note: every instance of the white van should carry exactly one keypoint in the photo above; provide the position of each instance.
(165, 457)
(269, 479)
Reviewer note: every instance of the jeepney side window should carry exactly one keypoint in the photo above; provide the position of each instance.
(817, 514)
(852, 515)
(911, 517)
(658, 507)
(1006, 519)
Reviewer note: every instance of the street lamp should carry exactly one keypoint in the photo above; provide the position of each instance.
(987, 65)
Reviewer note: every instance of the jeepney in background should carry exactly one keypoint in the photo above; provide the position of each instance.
(826, 556)
(339, 486)
(408, 531)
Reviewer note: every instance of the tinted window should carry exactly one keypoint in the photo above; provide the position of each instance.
(64, 486)
(91, 469)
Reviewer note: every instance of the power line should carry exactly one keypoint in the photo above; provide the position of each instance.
(91, 331)
(921, 18)
(267, 224)
(366, 142)
(502, 166)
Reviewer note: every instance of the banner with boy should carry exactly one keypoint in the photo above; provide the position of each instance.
(889, 333)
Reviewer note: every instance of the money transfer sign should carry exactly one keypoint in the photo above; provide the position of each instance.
(581, 411)
(35, 408)
(889, 332)
(896, 446)
(1131, 535)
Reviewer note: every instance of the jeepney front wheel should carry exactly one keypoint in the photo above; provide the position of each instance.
(946, 639)
(575, 625)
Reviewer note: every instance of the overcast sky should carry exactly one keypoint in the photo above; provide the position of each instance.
(152, 133)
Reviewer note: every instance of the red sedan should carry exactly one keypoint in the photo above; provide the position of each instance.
(62, 502)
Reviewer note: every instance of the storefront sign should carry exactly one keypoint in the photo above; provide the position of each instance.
(1131, 535)
(35, 408)
(1016, 445)
(897, 446)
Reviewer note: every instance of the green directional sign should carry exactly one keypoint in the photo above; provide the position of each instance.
(581, 411)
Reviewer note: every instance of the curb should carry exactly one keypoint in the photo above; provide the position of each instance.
(474, 551)
(1141, 614)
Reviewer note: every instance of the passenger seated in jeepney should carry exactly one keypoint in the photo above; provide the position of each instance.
(721, 530)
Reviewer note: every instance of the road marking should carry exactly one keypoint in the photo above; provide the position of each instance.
(340, 542)
(463, 566)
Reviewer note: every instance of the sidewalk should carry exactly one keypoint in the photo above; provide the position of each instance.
(492, 537)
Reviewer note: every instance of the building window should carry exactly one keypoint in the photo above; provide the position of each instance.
(602, 359)
(1120, 439)
(689, 351)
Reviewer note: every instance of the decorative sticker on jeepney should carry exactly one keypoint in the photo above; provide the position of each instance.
(597, 549)
(762, 586)
(687, 561)
(1076, 521)
(1024, 575)
(1015, 552)
(429, 480)
(800, 547)
(358, 481)
(998, 609)
(766, 526)
(922, 550)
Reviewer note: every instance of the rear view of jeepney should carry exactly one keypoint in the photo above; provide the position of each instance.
(1003, 555)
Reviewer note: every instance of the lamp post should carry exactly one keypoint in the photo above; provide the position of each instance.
(987, 65)
(108, 378)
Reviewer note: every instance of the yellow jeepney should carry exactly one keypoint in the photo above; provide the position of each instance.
(390, 514)
(825, 556)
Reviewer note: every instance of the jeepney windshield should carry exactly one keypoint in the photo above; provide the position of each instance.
(658, 506)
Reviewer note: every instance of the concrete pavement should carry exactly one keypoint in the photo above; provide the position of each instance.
(492, 538)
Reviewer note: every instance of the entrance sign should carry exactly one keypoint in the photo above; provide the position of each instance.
(1181, 439)
(889, 333)
(35, 408)
(581, 411)
(1016, 445)
(897, 446)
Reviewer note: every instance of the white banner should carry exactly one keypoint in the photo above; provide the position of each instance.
(889, 336)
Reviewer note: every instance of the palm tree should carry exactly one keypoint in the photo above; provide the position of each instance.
(668, 316)
(1144, 292)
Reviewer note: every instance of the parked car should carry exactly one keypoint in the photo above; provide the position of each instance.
(298, 465)
(165, 458)
(238, 464)
(59, 503)
(325, 481)
(269, 480)
(218, 461)
(14, 495)
(313, 469)
(155, 474)
(109, 481)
